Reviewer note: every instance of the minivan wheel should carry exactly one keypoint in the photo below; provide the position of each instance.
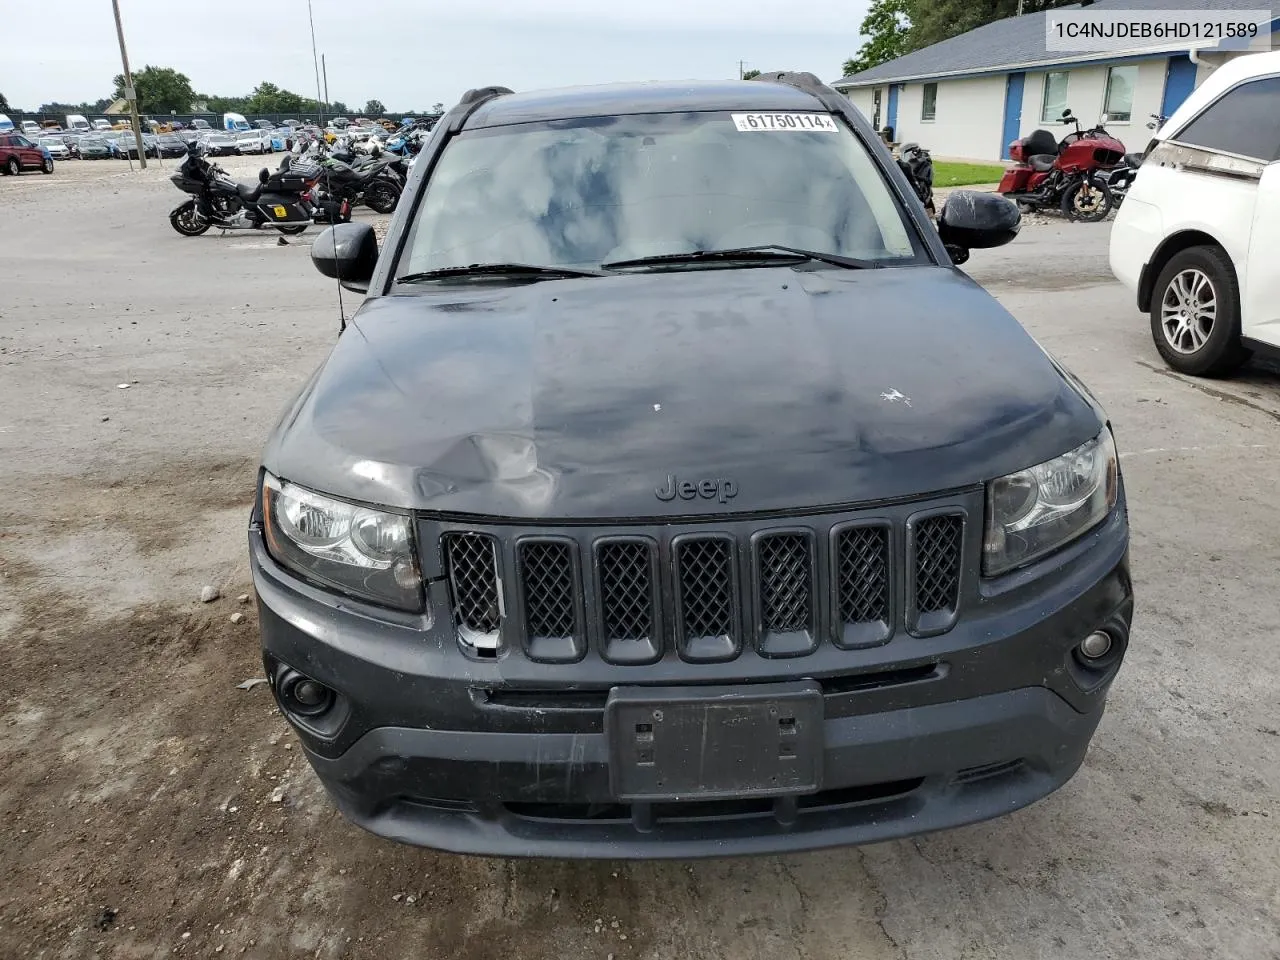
(1195, 314)
(12, 167)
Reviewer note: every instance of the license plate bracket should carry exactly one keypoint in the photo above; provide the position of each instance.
(707, 743)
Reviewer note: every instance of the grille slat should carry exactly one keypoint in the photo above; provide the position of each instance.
(785, 586)
(786, 582)
(937, 543)
(549, 600)
(625, 569)
(707, 597)
(863, 607)
(471, 561)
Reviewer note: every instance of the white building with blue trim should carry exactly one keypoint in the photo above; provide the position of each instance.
(970, 96)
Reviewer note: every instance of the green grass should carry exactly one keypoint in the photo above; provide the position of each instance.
(947, 174)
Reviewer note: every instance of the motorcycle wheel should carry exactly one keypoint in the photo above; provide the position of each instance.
(381, 196)
(185, 220)
(1087, 201)
(293, 229)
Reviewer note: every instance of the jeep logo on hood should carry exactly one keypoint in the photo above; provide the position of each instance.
(716, 488)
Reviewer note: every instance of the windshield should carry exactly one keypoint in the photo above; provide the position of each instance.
(585, 192)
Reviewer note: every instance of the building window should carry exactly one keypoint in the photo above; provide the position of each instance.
(1120, 84)
(929, 103)
(1055, 96)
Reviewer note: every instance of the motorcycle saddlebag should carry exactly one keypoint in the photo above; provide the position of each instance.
(283, 209)
(1015, 180)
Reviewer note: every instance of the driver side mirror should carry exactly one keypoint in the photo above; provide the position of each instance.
(971, 220)
(347, 252)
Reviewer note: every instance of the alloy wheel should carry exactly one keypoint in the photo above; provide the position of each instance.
(1188, 310)
(1087, 199)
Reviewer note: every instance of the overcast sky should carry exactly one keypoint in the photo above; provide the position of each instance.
(412, 53)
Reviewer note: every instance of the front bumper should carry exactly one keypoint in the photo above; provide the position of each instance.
(430, 748)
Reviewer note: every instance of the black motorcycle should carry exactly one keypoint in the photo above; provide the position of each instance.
(369, 183)
(279, 200)
(1121, 178)
(917, 164)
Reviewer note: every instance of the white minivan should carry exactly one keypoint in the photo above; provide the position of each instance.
(1197, 236)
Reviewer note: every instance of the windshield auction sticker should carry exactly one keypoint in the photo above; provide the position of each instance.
(1116, 31)
(789, 122)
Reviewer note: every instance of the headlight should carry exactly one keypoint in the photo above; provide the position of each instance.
(364, 552)
(1035, 511)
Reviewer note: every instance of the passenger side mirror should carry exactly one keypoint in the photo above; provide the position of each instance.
(971, 220)
(348, 252)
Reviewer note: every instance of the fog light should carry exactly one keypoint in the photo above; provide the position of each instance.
(303, 696)
(1096, 645)
(309, 693)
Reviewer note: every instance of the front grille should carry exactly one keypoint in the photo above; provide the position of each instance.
(471, 561)
(705, 591)
(936, 551)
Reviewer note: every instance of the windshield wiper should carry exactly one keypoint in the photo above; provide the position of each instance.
(523, 270)
(764, 253)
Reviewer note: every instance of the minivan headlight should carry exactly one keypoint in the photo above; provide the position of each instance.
(1037, 510)
(358, 550)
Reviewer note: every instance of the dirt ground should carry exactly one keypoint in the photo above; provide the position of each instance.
(149, 807)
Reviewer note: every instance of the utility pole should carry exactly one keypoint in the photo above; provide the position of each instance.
(741, 68)
(324, 71)
(316, 61)
(130, 94)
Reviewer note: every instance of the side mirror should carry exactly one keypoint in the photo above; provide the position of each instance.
(972, 221)
(348, 252)
(1066, 114)
(264, 175)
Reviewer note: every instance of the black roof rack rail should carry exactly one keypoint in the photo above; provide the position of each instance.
(472, 100)
(831, 98)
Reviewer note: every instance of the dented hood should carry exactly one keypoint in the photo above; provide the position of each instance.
(761, 389)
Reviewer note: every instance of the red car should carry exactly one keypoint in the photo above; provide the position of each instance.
(17, 153)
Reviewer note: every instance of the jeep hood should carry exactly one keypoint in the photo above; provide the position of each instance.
(580, 398)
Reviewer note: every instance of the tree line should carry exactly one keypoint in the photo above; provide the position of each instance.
(164, 90)
(894, 28)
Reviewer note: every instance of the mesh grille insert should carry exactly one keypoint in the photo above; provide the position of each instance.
(863, 575)
(626, 590)
(472, 563)
(547, 581)
(786, 585)
(706, 587)
(937, 560)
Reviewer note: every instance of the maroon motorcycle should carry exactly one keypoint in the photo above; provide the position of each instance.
(1070, 174)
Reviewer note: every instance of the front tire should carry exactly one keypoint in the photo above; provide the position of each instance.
(1087, 201)
(1195, 313)
(187, 221)
(47, 166)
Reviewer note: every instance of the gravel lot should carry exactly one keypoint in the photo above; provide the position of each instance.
(150, 808)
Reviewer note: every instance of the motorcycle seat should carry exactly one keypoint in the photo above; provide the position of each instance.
(1041, 162)
(249, 194)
